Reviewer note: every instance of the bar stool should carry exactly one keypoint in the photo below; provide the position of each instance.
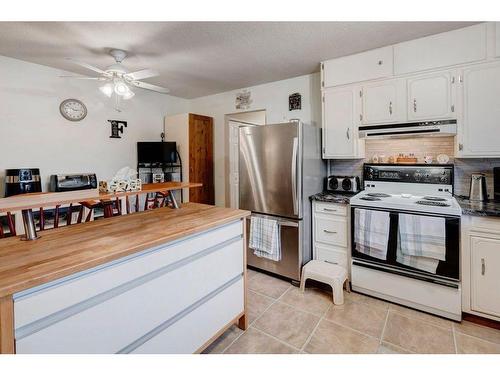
(10, 224)
(111, 207)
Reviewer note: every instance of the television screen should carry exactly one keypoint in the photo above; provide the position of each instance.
(156, 152)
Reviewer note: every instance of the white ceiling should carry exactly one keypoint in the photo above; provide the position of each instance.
(202, 58)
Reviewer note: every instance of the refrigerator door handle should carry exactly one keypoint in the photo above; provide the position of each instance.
(294, 175)
(288, 224)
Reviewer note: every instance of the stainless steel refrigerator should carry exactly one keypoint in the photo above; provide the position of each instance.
(280, 166)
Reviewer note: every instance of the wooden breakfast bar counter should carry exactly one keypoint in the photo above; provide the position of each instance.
(25, 203)
(159, 281)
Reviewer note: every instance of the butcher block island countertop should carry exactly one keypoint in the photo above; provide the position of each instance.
(69, 250)
(64, 251)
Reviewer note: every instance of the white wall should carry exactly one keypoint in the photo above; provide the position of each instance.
(273, 97)
(34, 134)
(252, 117)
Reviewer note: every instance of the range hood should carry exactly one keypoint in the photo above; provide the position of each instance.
(445, 128)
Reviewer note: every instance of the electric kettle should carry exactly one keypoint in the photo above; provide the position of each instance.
(478, 190)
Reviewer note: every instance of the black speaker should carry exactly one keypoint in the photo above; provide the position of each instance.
(496, 184)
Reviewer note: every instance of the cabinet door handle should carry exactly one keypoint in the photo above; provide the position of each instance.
(415, 105)
(329, 231)
(390, 108)
(347, 133)
(329, 209)
(483, 266)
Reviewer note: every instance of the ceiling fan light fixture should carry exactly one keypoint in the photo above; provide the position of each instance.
(121, 87)
(129, 95)
(107, 89)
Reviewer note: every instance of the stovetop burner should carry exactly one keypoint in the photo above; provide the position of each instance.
(435, 199)
(379, 195)
(433, 203)
(371, 198)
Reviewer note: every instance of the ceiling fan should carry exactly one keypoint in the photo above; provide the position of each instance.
(118, 79)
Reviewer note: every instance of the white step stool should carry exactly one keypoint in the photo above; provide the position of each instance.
(328, 273)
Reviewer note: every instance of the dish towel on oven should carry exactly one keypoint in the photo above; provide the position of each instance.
(371, 235)
(421, 241)
(265, 238)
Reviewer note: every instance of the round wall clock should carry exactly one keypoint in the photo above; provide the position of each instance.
(73, 110)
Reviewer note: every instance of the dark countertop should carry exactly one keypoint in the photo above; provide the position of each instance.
(489, 208)
(332, 197)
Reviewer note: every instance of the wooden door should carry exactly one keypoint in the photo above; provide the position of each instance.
(480, 111)
(384, 102)
(339, 123)
(201, 161)
(430, 97)
(485, 268)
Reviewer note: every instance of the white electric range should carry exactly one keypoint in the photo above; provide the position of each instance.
(424, 190)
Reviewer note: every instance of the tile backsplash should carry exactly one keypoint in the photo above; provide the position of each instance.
(420, 147)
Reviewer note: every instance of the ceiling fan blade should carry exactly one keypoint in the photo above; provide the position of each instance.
(141, 74)
(148, 86)
(85, 65)
(91, 78)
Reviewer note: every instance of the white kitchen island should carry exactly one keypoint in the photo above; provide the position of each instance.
(163, 281)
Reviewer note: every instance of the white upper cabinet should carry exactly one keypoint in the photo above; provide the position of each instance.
(431, 96)
(485, 268)
(377, 63)
(455, 47)
(340, 123)
(479, 131)
(384, 102)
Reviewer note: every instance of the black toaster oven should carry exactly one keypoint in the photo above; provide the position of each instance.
(72, 182)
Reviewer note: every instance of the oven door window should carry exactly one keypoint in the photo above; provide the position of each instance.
(449, 268)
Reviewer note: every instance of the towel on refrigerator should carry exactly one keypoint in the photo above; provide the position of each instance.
(265, 238)
(421, 241)
(371, 235)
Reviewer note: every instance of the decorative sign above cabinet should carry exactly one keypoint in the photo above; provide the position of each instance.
(117, 127)
(243, 99)
(73, 109)
(295, 102)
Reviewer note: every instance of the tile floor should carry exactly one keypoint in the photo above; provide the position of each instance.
(284, 320)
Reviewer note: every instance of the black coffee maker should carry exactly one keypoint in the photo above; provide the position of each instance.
(21, 181)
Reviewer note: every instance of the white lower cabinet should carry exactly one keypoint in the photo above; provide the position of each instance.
(185, 335)
(331, 233)
(481, 266)
(179, 295)
(485, 273)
